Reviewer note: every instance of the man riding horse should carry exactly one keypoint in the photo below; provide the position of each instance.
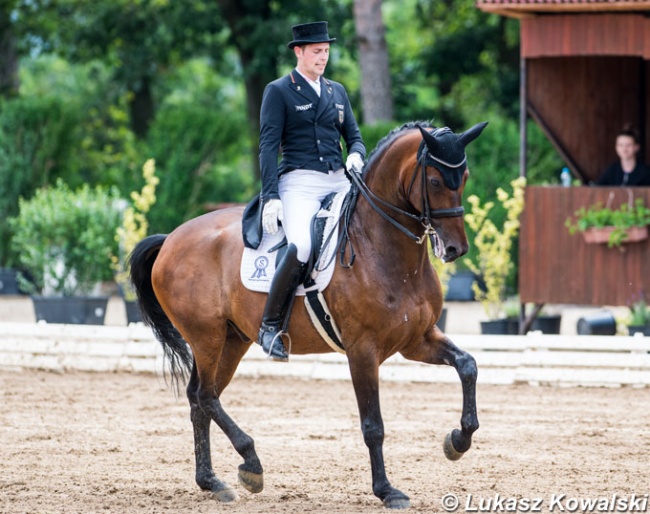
(304, 115)
(207, 319)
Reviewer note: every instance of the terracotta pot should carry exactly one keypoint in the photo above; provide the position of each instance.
(601, 234)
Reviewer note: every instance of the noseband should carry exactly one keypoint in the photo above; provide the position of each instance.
(427, 214)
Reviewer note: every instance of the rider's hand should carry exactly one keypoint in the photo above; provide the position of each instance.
(271, 214)
(354, 162)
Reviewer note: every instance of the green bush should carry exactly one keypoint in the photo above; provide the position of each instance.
(69, 122)
(201, 157)
(103, 147)
(35, 145)
(64, 239)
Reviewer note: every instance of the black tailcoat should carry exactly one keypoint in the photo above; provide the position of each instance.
(305, 128)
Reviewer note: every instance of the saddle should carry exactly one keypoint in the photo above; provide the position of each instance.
(264, 251)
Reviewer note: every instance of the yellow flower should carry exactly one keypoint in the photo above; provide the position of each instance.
(493, 262)
(134, 226)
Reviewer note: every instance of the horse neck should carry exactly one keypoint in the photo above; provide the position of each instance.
(378, 235)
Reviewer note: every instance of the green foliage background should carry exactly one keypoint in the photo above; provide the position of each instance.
(85, 75)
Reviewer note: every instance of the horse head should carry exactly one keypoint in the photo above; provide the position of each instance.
(431, 178)
(442, 168)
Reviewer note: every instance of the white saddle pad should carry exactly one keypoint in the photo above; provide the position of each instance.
(258, 265)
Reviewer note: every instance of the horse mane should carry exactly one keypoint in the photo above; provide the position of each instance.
(388, 139)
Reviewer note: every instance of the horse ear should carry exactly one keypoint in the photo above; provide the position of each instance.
(471, 134)
(432, 143)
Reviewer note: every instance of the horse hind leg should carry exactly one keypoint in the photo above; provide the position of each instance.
(437, 348)
(205, 477)
(205, 406)
(250, 473)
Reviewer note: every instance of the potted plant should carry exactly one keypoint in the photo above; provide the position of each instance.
(493, 261)
(512, 310)
(64, 239)
(444, 270)
(9, 281)
(547, 323)
(134, 228)
(543, 321)
(602, 224)
(639, 320)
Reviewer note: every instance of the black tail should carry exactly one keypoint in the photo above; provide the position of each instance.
(174, 346)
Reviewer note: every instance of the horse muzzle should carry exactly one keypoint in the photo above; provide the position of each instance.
(446, 248)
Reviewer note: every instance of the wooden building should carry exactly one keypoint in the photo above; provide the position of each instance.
(585, 73)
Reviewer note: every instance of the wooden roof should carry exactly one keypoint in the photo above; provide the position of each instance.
(526, 8)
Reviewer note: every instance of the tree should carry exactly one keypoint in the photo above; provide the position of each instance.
(139, 39)
(8, 55)
(255, 35)
(376, 97)
(259, 31)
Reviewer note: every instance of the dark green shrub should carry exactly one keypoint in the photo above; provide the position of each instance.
(201, 157)
(103, 147)
(64, 239)
(36, 142)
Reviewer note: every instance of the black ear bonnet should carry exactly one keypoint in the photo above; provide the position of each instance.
(445, 151)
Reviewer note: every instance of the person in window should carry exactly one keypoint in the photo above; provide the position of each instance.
(627, 170)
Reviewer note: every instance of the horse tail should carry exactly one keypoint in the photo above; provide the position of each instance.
(176, 350)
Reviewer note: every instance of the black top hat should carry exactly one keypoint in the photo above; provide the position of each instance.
(310, 33)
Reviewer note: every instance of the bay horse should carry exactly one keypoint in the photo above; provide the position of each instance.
(190, 293)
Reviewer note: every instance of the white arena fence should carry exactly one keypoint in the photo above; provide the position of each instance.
(536, 359)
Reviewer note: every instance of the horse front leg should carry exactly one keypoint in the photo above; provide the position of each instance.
(365, 379)
(437, 348)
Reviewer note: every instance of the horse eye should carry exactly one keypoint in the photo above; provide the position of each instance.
(435, 182)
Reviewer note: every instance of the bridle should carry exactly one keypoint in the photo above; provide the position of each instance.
(426, 215)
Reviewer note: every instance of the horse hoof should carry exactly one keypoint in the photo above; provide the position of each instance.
(397, 501)
(252, 482)
(225, 495)
(448, 447)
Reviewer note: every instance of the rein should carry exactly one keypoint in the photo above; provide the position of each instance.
(427, 214)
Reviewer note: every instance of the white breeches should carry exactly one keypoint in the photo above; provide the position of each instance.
(302, 192)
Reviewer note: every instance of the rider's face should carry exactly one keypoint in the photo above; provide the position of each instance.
(312, 59)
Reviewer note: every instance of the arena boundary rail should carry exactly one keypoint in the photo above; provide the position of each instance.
(537, 359)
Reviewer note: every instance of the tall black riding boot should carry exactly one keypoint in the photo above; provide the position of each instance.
(286, 279)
